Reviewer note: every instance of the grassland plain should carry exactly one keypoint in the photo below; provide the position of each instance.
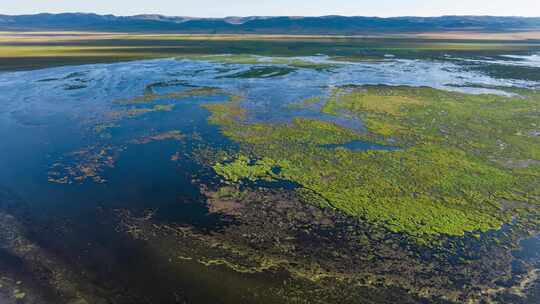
(37, 50)
(467, 163)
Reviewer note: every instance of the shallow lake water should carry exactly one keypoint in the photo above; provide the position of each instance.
(49, 116)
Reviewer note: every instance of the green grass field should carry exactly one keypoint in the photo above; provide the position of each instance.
(31, 51)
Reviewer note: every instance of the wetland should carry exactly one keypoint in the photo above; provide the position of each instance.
(269, 170)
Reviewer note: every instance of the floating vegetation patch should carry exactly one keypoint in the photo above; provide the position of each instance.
(170, 135)
(157, 108)
(135, 111)
(227, 113)
(150, 95)
(244, 168)
(90, 163)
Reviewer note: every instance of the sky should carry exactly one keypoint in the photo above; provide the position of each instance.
(222, 8)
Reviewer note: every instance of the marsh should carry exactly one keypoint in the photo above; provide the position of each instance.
(338, 170)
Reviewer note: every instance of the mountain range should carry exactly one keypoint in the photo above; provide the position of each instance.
(264, 25)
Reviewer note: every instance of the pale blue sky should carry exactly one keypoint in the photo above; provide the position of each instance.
(217, 8)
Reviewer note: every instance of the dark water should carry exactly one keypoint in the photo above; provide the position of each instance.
(143, 178)
(530, 249)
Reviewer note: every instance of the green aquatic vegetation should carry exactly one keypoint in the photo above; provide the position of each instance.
(19, 295)
(306, 103)
(150, 95)
(275, 230)
(91, 162)
(244, 168)
(226, 113)
(444, 180)
(312, 100)
(85, 164)
(313, 197)
(299, 131)
(416, 191)
(489, 126)
(362, 101)
(169, 135)
(156, 108)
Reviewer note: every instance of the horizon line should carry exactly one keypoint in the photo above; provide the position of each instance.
(267, 16)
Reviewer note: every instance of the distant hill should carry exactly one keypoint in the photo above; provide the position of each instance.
(264, 25)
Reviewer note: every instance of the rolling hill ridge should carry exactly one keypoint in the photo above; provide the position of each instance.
(263, 25)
